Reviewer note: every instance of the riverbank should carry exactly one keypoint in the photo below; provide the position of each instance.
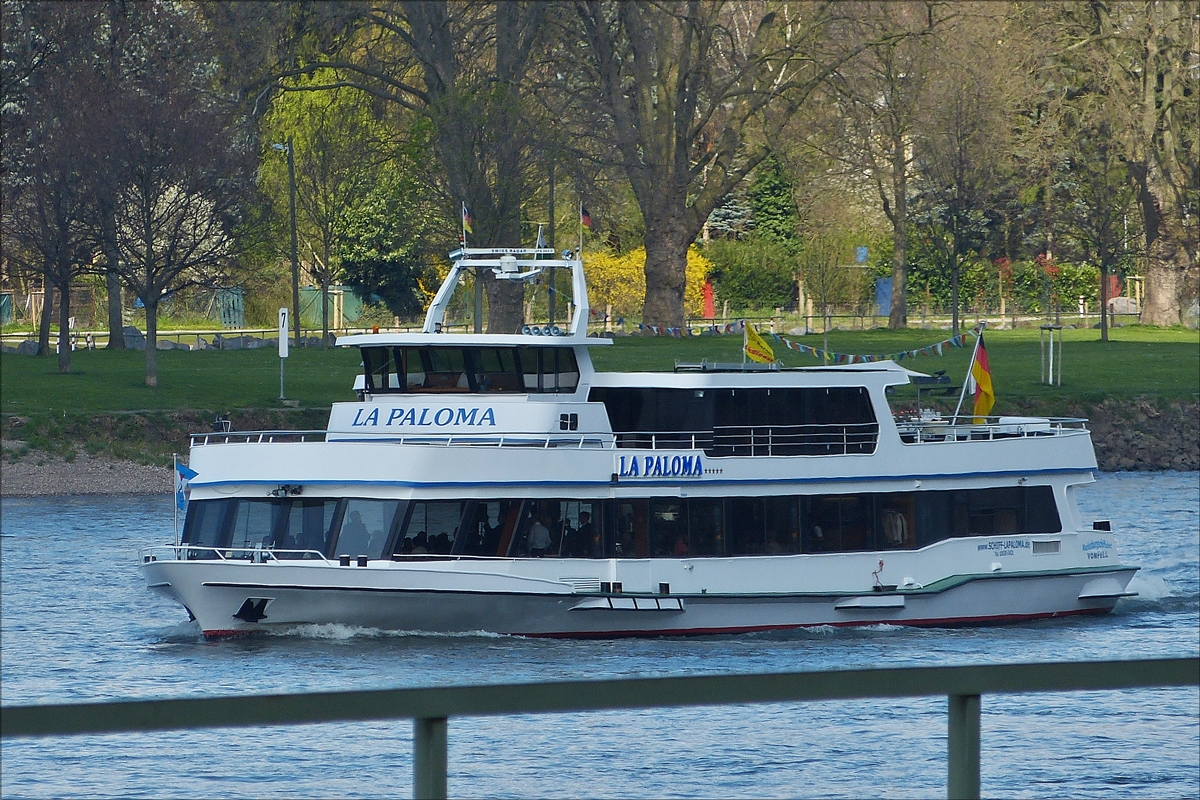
(1144, 434)
(39, 474)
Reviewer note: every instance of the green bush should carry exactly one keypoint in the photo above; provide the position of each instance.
(753, 273)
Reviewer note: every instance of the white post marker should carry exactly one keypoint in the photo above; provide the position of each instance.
(283, 346)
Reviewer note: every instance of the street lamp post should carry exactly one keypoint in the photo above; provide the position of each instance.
(295, 250)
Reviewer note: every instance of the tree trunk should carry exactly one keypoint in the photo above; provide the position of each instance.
(1166, 258)
(116, 320)
(324, 313)
(898, 316)
(954, 283)
(151, 341)
(116, 323)
(666, 274)
(64, 328)
(1103, 293)
(44, 323)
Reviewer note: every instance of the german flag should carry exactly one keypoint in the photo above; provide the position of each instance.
(981, 375)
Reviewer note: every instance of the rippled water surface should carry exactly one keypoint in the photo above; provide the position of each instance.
(79, 625)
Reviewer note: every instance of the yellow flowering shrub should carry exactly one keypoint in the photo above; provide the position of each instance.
(620, 280)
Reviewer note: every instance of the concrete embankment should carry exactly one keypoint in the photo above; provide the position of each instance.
(1129, 435)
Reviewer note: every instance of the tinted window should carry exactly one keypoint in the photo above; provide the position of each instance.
(254, 523)
(366, 526)
(309, 525)
(205, 525)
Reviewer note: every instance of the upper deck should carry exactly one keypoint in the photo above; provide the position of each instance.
(537, 389)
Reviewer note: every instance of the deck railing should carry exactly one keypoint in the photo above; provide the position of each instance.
(967, 428)
(431, 708)
(761, 440)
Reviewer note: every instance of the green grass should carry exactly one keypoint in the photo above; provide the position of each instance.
(105, 381)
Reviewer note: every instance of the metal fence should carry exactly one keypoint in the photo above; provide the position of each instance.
(430, 709)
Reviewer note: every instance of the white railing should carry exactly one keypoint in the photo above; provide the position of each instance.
(255, 437)
(761, 440)
(258, 555)
(968, 428)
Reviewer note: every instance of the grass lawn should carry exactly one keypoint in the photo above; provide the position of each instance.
(1138, 361)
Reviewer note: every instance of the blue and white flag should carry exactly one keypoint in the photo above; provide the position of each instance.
(183, 474)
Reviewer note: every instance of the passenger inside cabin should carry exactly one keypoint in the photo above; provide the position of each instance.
(539, 538)
(420, 545)
(680, 547)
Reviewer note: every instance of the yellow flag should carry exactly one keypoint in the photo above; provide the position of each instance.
(757, 348)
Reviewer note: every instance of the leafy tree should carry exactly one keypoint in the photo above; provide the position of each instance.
(756, 272)
(382, 254)
(770, 196)
(462, 66)
(619, 280)
(962, 152)
(339, 149)
(687, 96)
(1133, 65)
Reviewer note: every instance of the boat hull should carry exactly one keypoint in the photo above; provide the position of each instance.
(235, 600)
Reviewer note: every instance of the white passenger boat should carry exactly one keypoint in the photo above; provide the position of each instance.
(498, 483)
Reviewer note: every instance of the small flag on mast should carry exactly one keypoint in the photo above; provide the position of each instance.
(757, 348)
(981, 376)
(585, 217)
(183, 474)
(466, 219)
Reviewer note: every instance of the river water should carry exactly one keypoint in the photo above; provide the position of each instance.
(78, 625)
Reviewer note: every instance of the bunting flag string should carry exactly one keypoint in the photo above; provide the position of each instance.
(937, 348)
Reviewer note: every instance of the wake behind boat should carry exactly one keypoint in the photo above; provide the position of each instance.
(499, 483)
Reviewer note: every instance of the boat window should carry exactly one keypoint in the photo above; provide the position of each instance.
(309, 525)
(743, 422)
(583, 526)
(746, 525)
(549, 369)
(668, 528)
(896, 521)
(206, 523)
(254, 523)
(470, 369)
(706, 527)
(837, 523)
(366, 525)
(496, 369)
(783, 525)
(1041, 512)
(632, 540)
(431, 528)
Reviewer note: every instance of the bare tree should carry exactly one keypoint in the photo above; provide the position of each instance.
(46, 199)
(964, 146)
(690, 96)
(881, 99)
(1143, 59)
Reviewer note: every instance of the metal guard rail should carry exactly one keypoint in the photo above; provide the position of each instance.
(431, 708)
(964, 428)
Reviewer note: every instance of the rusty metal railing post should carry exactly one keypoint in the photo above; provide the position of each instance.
(429, 758)
(963, 747)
